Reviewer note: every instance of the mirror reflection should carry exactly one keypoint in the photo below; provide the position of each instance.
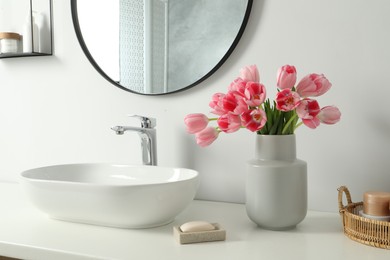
(158, 46)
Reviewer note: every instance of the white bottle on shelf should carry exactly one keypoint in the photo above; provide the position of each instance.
(30, 34)
(44, 32)
(36, 32)
(27, 34)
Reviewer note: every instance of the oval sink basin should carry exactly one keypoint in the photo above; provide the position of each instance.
(123, 196)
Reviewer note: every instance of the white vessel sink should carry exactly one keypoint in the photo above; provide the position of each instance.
(122, 196)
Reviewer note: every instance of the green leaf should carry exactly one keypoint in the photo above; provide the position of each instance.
(278, 122)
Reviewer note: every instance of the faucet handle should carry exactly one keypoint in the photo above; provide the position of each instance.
(146, 122)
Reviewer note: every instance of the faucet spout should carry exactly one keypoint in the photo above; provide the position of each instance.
(148, 141)
(120, 130)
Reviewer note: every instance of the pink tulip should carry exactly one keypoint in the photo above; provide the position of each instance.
(287, 100)
(229, 122)
(229, 102)
(250, 73)
(196, 122)
(237, 86)
(311, 123)
(254, 120)
(241, 107)
(287, 76)
(329, 115)
(313, 85)
(308, 110)
(215, 104)
(255, 94)
(207, 136)
(223, 103)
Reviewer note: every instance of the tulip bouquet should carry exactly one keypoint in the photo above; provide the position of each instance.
(245, 106)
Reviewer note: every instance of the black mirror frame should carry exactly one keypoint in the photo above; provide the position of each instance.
(80, 38)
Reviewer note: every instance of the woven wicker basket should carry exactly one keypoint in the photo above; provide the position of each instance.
(366, 231)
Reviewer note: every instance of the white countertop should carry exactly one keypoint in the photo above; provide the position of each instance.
(28, 234)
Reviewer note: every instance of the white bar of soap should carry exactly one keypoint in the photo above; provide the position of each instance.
(196, 226)
(199, 231)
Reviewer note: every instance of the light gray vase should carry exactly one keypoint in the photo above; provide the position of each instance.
(276, 183)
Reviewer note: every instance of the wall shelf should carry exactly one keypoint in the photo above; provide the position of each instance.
(32, 20)
(18, 55)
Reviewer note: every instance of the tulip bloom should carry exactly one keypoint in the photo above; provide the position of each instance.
(286, 77)
(254, 120)
(250, 73)
(241, 107)
(254, 94)
(223, 103)
(196, 122)
(216, 104)
(329, 115)
(207, 136)
(229, 122)
(229, 102)
(312, 123)
(287, 100)
(307, 110)
(313, 85)
(237, 86)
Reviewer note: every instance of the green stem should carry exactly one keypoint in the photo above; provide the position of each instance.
(285, 128)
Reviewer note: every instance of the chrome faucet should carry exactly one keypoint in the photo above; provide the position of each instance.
(147, 133)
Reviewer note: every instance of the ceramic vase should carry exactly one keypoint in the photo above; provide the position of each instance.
(276, 183)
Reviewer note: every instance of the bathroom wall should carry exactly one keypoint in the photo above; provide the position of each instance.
(58, 109)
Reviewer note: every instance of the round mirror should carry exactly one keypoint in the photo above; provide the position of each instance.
(157, 47)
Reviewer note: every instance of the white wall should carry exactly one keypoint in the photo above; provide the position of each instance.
(58, 109)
